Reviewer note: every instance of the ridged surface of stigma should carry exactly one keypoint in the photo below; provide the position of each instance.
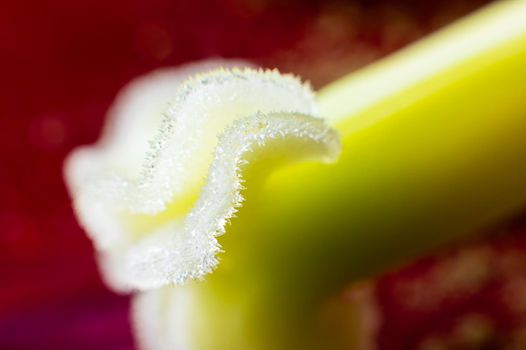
(201, 145)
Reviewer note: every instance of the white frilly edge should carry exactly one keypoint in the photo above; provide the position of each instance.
(123, 175)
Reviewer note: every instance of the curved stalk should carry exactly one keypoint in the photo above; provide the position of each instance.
(433, 151)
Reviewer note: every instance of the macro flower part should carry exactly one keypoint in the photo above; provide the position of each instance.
(156, 191)
(430, 154)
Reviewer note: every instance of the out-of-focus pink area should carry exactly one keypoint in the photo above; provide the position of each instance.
(61, 64)
(468, 297)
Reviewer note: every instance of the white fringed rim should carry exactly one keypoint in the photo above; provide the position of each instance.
(248, 108)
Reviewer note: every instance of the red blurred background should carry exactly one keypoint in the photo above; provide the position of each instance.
(61, 64)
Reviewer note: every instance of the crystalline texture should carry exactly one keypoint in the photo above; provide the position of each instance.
(124, 179)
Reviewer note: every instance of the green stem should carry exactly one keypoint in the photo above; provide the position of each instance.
(433, 150)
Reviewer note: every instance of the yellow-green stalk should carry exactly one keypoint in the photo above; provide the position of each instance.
(434, 150)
